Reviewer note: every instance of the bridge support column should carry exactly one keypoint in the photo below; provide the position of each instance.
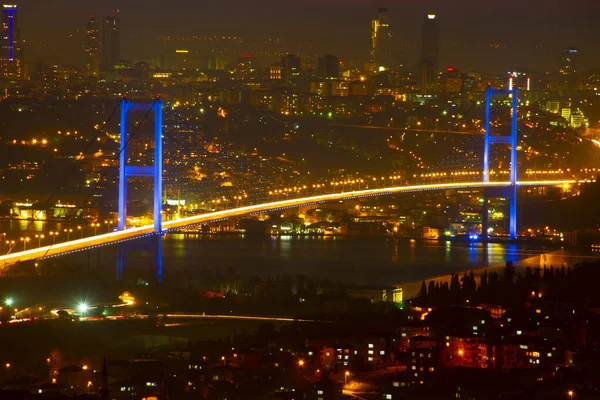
(157, 246)
(509, 192)
(155, 172)
(121, 259)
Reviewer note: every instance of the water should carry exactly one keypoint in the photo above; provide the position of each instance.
(350, 260)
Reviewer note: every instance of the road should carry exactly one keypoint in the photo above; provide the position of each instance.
(147, 230)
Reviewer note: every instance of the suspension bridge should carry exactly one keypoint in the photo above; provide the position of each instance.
(505, 189)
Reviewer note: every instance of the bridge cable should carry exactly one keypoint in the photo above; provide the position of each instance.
(138, 125)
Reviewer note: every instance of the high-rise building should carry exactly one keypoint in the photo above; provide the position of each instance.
(91, 47)
(329, 67)
(111, 42)
(381, 41)
(568, 67)
(290, 70)
(430, 48)
(11, 62)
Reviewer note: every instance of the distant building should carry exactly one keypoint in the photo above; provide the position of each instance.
(290, 70)
(111, 42)
(423, 358)
(275, 72)
(519, 80)
(568, 67)
(451, 81)
(91, 47)
(329, 67)
(11, 62)
(381, 41)
(430, 48)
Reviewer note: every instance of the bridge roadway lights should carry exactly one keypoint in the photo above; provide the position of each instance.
(92, 242)
(509, 192)
(155, 172)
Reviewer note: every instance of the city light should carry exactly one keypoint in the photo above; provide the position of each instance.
(83, 308)
(9, 301)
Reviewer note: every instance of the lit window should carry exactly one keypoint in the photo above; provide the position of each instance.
(414, 368)
(388, 397)
(370, 345)
(381, 353)
(404, 335)
(549, 354)
(370, 359)
(371, 352)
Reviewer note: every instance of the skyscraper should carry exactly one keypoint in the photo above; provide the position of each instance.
(430, 48)
(329, 67)
(568, 67)
(290, 70)
(381, 40)
(11, 63)
(111, 42)
(91, 47)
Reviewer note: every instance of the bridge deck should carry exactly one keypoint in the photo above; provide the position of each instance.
(133, 233)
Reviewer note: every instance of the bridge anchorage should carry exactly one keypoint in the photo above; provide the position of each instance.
(510, 191)
(155, 172)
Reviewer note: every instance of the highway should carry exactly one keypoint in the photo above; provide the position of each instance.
(388, 128)
(133, 233)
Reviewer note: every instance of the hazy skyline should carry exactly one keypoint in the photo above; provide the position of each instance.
(531, 33)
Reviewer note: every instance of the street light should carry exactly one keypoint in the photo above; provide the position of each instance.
(107, 226)
(25, 240)
(81, 230)
(39, 238)
(571, 394)
(95, 226)
(346, 375)
(301, 363)
(9, 301)
(83, 308)
(10, 244)
(68, 231)
(54, 235)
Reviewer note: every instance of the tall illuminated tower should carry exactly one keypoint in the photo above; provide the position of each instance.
(91, 47)
(111, 42)
(430, 49)
(568, 67)
(11, 62)
(381, 40)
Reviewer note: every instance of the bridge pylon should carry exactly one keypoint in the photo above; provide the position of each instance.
(509, 192)
(155, 171)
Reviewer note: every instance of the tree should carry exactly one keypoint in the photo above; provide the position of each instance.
(423, 291)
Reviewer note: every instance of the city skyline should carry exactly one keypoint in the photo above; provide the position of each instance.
(474, 40)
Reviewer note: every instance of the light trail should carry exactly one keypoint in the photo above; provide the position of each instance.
(388, 128)
(147, 230)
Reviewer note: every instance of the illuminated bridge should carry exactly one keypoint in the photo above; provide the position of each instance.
(504, 189)
(133, 233)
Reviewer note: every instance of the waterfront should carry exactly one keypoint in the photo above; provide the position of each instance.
(366, 261)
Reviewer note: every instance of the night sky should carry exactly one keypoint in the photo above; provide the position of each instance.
(531, 32)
